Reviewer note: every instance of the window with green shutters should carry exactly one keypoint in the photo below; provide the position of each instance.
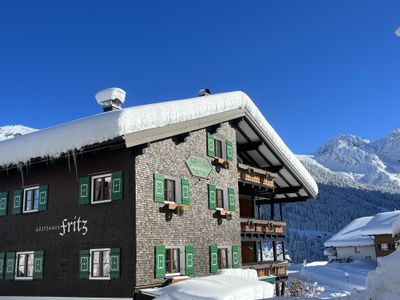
(159, 261)
(185, 184)
(212, 196)
(43, 196)
(235, 256)
(84, 190)
(210, 145)
(2, 260)
(115, 263)
(213, 258)
(231, 199)
(38, 265)
(159, 187)
(9, 271)
(101, 188)
(84, 256)
(17, 202)
(189, 260)
(3, 203)
(229, 150)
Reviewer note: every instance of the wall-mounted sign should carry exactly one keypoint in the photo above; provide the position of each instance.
(199, 166)
(67, 226)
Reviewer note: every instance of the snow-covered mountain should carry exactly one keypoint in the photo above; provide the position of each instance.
(356, 178)
(11, 131)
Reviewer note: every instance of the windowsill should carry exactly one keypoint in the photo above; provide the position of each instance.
(99, 278)
(170, 202)
(99, 202)
(23, 278)
(170, 275)
(30, 211)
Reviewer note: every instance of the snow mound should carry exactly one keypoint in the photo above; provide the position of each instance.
(55, 141)
(227, 285)
(384, 282)
(350, 235)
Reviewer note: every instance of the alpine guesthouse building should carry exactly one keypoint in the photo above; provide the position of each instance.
(138, 197)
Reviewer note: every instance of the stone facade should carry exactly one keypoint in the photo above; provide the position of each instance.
(198, 226)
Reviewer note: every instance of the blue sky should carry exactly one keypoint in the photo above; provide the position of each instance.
(314, 68)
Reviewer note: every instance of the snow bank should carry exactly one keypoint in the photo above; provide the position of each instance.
(227, 285)
(350, 235)
(384, 282)
(54, 141)
(334, 274)
(382, 223)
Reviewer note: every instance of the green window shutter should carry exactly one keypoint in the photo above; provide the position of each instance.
(185, 191)
(235, 256)
(210, 145)
(229, 150)
(2, 257)
(84, 257)
(38, 263)
(231, 199)
(159, 261)
(10, 266)
(212, 196)
(115, 263)
(84, 190)
(189, 260)
(3, 203)
(43, 196)
(158, 187)
(213, 259)
(17, 202)
(117, 191)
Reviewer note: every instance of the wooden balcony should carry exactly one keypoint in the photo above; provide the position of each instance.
(266, 269)
(249, 225)
(255, 176)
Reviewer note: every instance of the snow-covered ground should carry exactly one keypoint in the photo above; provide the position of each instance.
(229, 284)
(324, 280)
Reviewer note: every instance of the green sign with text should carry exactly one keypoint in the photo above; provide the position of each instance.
(199, 166)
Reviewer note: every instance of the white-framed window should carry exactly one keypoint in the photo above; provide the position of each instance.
(220, 198)
(100, 264)
(223, 258)
(173, 261)
(101, 188)
(24, 265)
(172, 189)
(384, 247)
(31, 199)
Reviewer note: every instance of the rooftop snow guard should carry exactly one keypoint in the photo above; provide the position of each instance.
(54, 141)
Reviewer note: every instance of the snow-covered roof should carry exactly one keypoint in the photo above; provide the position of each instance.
(383, 223)
(350, 235)
(74, 135)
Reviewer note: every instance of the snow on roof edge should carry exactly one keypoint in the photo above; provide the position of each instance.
(74, 135)
(383, 223)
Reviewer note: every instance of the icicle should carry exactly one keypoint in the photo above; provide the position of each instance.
(20, 168)
(69, 161)
(75, 163)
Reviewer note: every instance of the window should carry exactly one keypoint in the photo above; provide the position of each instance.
(24, 268)
(222, 258)
(384, 247)
(218, 148)
(100, 264)
(391, 247)
(101, 188)
(172, 261)
(169, 190)
(356, 250)
(220, 198)
(31, 199)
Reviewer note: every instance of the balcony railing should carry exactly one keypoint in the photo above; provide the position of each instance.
(262, 226)
(269, 269)
(254, 175)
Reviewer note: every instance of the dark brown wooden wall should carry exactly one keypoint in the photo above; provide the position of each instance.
(386, 238)
(109, 225)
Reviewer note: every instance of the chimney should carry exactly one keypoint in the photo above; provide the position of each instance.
(111, 99)
(204, 92)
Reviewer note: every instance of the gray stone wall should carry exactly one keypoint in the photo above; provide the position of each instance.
(197, 227)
